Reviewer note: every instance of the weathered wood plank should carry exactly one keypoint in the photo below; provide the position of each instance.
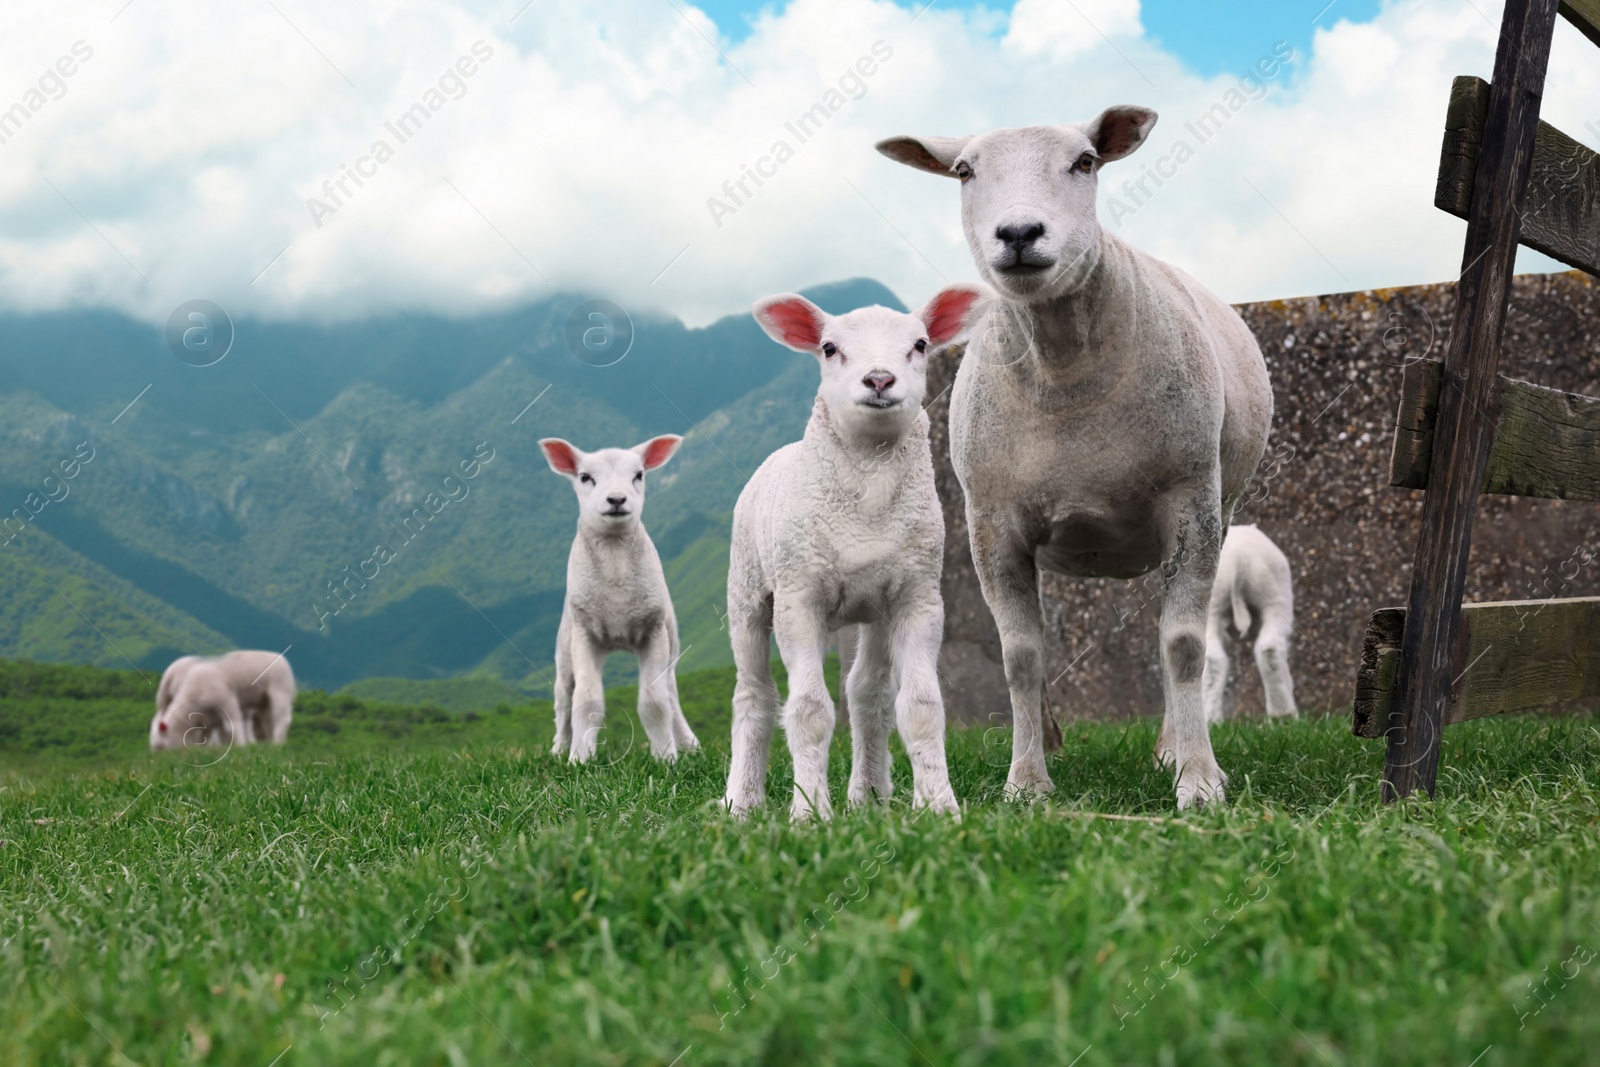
(1547, 443)
(1584, 14)
(1510, 655)
(1465, 424)
(1562, 215)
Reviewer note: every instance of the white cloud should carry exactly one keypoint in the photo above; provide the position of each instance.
(586, 147)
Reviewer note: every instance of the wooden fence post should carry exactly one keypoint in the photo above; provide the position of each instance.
(1468, 400)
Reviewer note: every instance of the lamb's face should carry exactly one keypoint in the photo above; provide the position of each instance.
(610, 482)
(874, 360)
(874, 370)
(1028, 195)
(186, 723)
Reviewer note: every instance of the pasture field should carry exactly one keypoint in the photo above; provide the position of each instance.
(410, 889)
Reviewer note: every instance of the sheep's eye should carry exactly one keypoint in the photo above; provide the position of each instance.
(639, 477)
(921, 346)
(829, 349)
(963, 170)
(585, 479)
(1085, 163)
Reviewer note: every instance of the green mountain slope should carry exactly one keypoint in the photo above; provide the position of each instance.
(312, 490)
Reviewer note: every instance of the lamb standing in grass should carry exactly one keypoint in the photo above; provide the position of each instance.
(1254, 592)
(843, 527)
(1103, 423)
(617, 600)
(238, 698)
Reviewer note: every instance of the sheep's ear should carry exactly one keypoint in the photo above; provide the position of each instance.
(951, 312)
(791, 320)
(935, 155)
(1119, 130)
(658, 450)
(562, 457)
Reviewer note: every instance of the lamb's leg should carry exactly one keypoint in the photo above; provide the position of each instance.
(1272, 660)
(847, 637)
(869, 691)
(755, 710)
(563, 693)
(919, 707)
(1191, 540)
(234, 728)
(682, 736)
(588, 695)
(808, 715)
(279, 711)
(655, 697)
(1010, 584)
(1215, 684)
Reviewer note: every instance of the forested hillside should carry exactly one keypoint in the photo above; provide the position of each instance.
(370, 493)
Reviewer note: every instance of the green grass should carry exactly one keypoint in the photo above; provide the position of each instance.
(450, 895)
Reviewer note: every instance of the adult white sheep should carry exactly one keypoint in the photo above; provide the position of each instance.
(238, 698)
(617, 600)
(1104, 420)
(1254, 593)
(844, 527)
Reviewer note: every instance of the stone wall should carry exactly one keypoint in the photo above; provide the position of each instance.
(1322, 494)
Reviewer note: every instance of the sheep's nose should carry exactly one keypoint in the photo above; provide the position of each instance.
(1020, 235)
(616, 501)
(878, 381)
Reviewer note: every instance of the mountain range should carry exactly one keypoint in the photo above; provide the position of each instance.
(368, 495)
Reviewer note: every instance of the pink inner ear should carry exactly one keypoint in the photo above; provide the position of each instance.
(947, 314)
(795, 321)
(561, 456)
(659, 450)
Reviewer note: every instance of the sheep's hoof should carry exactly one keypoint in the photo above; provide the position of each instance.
(801, 810)
(862, 795)
(944, 804)
(740, 806)
(1029, 785)
(1201, 784)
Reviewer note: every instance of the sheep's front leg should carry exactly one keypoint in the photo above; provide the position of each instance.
(808, 715)
(282, 711)
(755, 709)
(657, 696)
(869, 689)
(1214, 686)
(563, 693)
(919, 707)
(234, 727)
(1010, 582)
(1272, 660)
(588, 695)
(1191, 541)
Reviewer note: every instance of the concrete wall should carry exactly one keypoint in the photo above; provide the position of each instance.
(1322, 494)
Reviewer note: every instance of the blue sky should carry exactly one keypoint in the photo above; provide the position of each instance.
(1209, 38)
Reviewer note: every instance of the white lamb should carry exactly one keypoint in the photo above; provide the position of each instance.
(238, 698)
(1104, 421)
(844, 527)
(617, 600)
(1254, 592)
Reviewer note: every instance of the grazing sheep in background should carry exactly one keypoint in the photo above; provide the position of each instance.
(1254, 592)
(1104, 421)
(238, 698)
(617, 600)
(844, 527)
